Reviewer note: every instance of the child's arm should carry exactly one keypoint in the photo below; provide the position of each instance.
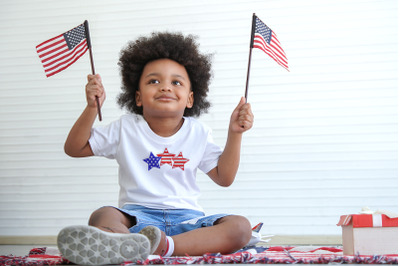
(77, 143)
(228, 164)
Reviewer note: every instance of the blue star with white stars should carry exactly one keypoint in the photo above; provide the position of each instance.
(152, 161)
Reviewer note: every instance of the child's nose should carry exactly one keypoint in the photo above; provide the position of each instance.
(165, 87)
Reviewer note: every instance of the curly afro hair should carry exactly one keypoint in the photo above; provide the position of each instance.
(174, 46)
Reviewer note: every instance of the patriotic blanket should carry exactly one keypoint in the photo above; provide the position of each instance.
(261, 255)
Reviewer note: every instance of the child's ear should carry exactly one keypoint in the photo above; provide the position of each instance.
(138, 99)
(190, 100)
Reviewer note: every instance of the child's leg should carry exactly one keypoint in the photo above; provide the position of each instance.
(110, 219)
(229, 234)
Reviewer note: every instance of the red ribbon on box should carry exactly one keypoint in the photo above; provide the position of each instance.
(368, 220)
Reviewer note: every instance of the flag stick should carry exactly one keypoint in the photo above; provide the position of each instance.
(89, 44)
(253, 26)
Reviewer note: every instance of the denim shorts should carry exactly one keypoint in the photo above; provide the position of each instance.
(171, 221)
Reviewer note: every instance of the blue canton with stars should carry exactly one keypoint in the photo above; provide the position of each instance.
(152, 161)
(74, 36)
(264, 30)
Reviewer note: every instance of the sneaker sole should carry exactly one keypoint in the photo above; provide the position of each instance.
(87, 245)
(154, 236)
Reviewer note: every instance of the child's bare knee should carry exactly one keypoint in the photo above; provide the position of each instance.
(239, 232)
(101, 214)
(243, 228)
(110, 219)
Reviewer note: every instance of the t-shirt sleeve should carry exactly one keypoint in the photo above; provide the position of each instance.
(104, 140)
(211, 156)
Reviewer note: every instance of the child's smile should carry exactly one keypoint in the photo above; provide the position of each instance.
(166, 97)
(164, 89)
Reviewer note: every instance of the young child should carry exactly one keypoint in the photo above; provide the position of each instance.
(159, 146)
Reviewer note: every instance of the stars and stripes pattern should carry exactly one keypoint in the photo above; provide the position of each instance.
(266, 40)
(60, 52)
(166, 158)
(152, 161)
(179, 161)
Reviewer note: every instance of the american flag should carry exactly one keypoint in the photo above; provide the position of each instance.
(266, 40)
(60, 52)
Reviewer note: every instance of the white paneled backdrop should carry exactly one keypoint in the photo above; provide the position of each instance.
(324, 141)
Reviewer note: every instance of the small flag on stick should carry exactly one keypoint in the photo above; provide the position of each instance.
(60, 52)
(264, 38)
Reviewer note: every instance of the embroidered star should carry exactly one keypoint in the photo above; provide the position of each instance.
(179, 161)
(152, 161)
(166, 157)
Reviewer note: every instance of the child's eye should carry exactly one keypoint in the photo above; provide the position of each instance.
(154, 81)
(177, 83)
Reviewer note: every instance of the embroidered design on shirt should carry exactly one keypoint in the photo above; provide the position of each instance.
(166, 158)
(179, 161)
(152, 161)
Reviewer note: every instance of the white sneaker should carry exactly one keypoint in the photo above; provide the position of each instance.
(157, 238)
(88, 245)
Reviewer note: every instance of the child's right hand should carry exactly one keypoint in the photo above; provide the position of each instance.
(94, 88)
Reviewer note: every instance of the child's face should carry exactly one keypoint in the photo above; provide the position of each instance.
(164, 89)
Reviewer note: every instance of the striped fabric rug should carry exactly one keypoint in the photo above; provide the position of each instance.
(259, 255)
(275, 255)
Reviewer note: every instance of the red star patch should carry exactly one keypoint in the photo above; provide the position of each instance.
(166, 157)
(179, 161)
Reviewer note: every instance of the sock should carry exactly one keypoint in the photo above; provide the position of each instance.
(170, 247)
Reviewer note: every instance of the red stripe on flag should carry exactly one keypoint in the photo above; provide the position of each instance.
(40, 49)
(278, 49)
(61, 50)
(272, 49)
(61, 69)
(66, 58)
(65, 54)
(260, 43)
(77, 54)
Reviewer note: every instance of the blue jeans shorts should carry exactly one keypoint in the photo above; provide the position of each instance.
(171, 221)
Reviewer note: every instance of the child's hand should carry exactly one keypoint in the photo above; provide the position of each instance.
(242, 117)
(94, 88)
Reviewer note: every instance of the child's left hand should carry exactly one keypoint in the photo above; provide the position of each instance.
(242, 117)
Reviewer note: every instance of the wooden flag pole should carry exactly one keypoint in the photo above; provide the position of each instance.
(253, 27)
(89, 44)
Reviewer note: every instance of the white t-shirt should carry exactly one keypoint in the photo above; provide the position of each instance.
(154, 171)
